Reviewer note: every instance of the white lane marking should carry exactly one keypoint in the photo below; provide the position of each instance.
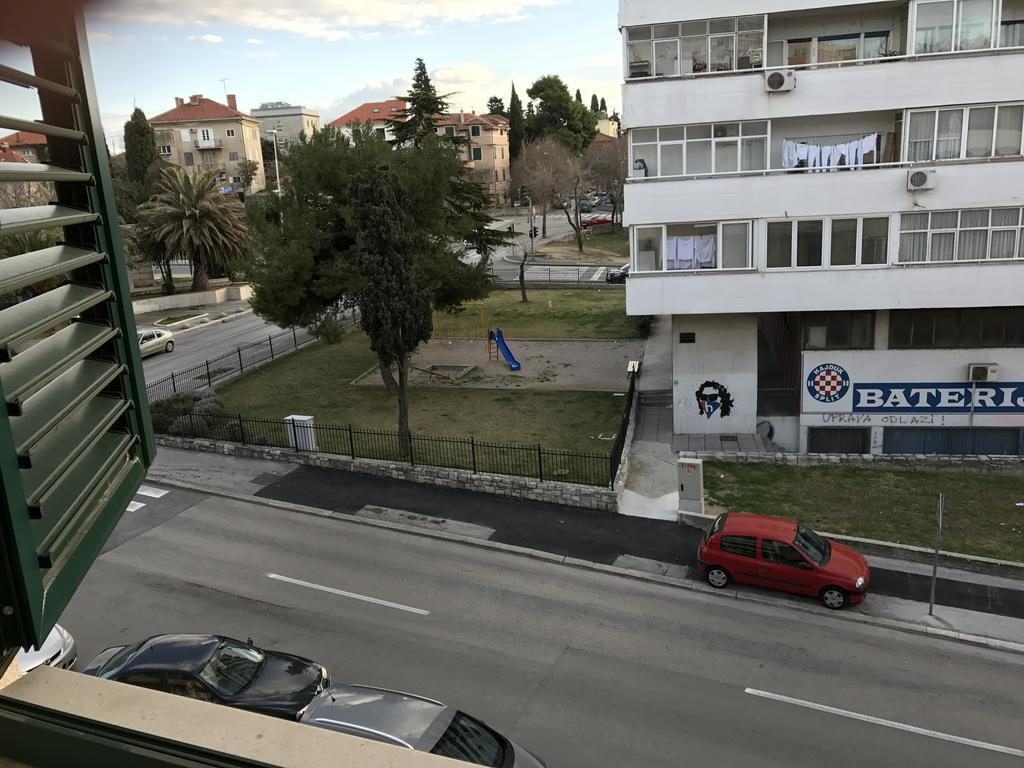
(135, 506)
(598, 275)
(353, 595)
(888, 723)
(153, 493)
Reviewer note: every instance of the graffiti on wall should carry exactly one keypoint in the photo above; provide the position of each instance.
(713, 398)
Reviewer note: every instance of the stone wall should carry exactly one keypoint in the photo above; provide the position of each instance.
(908, 462)
(569, 494)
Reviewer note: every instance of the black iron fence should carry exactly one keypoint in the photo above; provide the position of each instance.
(468, 453)
(620, 439)
(227, 365)
(566, 277)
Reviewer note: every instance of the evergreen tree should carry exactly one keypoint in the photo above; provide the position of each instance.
(594, 106)
(604, 107)
(516, 125)
(558, 115)
(423, 105)
(139, 146)
(579, 96)
(496, 106)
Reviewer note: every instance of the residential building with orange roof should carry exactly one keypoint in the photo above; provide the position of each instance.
(203, 134)
(31, 146)
(379, 114)
(485, 142)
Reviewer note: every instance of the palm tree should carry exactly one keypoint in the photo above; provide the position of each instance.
(193, 220)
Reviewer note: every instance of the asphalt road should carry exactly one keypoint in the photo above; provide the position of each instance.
(207, 342)
(588, 669)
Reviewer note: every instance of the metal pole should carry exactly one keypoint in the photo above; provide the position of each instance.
(472, 448)
(938, 545)
(271, 340)
(295, 339)
(209, 376)
(540, 462)
(241, 429)
(351, 442)
(174, 387)
(240, 366)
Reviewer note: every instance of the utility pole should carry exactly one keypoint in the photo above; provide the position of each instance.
(224, 85)
(939, 513)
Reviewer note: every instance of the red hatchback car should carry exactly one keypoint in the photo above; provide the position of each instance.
(782, 554)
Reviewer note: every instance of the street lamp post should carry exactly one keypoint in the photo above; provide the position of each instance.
(277, 168)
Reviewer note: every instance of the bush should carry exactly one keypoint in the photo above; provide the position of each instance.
(187, 426)
(208, 409)
(165, 412)
(643, 324)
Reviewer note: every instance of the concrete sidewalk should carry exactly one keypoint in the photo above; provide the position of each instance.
(210, 313)
(966, 601)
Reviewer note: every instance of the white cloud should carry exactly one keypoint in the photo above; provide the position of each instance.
(207, 38)
(326, 19)
(100, 37)
(253, 41)
(511, 19)
(259, 55)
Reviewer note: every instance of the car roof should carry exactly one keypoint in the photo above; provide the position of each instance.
(382, 714)
(181, 653)
(741, 523)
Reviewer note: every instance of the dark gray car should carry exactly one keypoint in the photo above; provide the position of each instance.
(414, 722)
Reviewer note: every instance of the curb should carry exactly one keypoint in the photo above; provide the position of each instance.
(227, 319)
(587, 565)
(189, 319)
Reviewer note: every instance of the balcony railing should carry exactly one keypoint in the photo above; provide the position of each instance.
(208, 143)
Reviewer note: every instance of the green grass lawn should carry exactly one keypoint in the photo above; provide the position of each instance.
(561, 313)
(611, 248)
(980, 518)
(317, 382)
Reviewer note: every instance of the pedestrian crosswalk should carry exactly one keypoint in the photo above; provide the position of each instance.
(146, 491)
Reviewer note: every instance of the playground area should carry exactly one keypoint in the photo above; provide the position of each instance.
(595, 366)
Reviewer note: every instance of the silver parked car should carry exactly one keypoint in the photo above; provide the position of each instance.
(414, 722)
(57, 650)
(154, 340)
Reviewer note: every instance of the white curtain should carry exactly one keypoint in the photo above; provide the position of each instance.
(973, 244)
(913, 246)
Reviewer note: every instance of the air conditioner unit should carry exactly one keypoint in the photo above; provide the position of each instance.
(921, 178)
(982, 372)
(780, 80)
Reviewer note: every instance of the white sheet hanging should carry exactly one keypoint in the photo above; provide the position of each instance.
(685, 257)
(790, 154)
(705, 251)
(868, 144)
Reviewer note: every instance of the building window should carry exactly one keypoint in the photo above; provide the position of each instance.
(449, 131)
(186, 134)
(189, 161)
(956, 328)
(502, 153)
(838, 440)
(474, 130)
(230, 133)
(941, 26)
(236, 179)
(965, 132)
(795, 243)
(839, 330)
(376, 109)
(971, 235)
(693, 246)
(165, 150)
(205, 134)
(858, 241)
(699, 150)
(233, 156)
(694, 47)
(477, 153)
(827, 49)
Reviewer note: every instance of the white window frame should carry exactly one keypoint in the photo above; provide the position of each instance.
(660, 144)
(862, 38)
(206, 134)
(708, 35)
(718, 226)
(230, 133)
(965, 124)
(826, 243)
(994, 31)
(164, 150)
(858, 260)
(1018, 249)
(474, 130)
(474, 151)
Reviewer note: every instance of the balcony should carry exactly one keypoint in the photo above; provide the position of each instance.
(208, 143)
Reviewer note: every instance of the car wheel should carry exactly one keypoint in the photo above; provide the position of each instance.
(717, 577)
(833, 597)
(169, 346)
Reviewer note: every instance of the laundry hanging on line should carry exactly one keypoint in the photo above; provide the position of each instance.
(692, 252)
(815, 156)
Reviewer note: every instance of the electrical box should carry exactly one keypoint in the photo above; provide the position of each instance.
(691, 485)
(301, 434)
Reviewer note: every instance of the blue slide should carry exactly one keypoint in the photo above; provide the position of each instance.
(499, 339)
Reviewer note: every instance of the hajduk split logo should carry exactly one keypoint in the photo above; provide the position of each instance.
(828, 383)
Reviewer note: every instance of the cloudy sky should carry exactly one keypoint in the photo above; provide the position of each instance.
(333, 55)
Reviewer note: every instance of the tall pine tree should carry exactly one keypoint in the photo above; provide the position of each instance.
(604, 106)
(516, 125)
(496, 106)
(423, 104)
(579, 96)
(594, 106)
(139, 146)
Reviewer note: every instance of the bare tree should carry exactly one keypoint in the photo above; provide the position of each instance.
(608, 162)
(555, 174)
(522, 273)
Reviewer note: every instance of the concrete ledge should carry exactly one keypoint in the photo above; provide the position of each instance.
(182, 300)
(652, 578)
(987, 565)
(894, 462)
(549, 491)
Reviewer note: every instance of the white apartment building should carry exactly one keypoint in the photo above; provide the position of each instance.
(828, 199)
(290, 121)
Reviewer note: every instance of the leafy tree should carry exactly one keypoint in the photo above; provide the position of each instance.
(558, 115)
(393, 297)
(594, 106)
(496, 106)
(603, 107)
(423, 105)
(189, 218)
(516, 125)
(248, 169)
(139, 146)
(579, 96)
(269, 168)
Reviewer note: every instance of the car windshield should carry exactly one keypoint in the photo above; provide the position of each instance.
(812, 545)
(472, 741)
(115, 662)
(232, 668)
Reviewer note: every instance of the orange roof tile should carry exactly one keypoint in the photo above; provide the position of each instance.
(206, 109)
(23, 139)
(372, 111)
(8, 155)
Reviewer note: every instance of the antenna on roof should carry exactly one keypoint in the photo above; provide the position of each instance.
(224, 84)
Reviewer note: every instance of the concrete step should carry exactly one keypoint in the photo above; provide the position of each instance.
(656, 397)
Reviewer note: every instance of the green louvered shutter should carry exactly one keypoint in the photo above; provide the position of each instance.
(75, 436)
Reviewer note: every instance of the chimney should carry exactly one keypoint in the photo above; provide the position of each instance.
(194, 99)
(232, 102)
(462, 117)
(178, 101)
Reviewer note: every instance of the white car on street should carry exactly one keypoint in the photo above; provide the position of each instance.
(57, 650)
(155, 340)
